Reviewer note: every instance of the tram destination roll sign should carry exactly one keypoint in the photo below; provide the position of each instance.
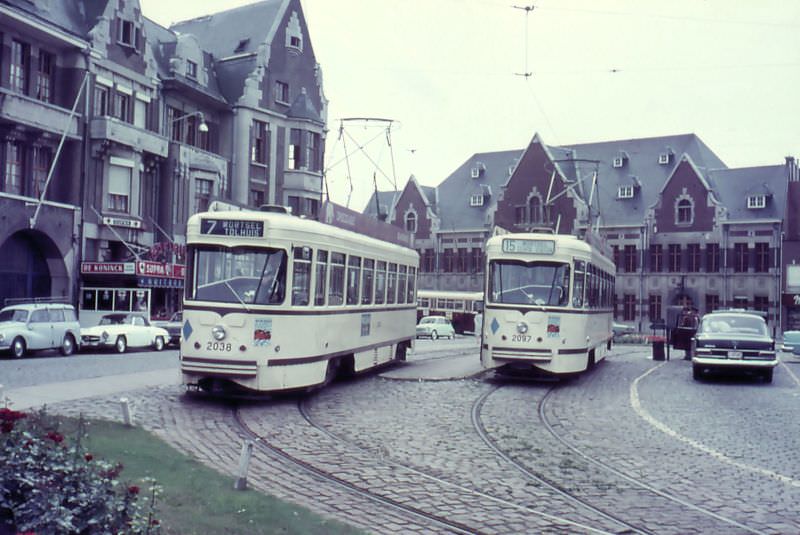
(232, 227)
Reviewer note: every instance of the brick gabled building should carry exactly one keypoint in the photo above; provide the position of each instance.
(683, 227)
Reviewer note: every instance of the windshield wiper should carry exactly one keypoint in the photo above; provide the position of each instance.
(235, 293)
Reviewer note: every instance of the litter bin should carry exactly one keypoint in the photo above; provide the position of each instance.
(658, 347)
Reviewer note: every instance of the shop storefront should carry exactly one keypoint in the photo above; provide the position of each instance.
(154, 289)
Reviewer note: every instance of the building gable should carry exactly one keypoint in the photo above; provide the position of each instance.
(412, 205)
(533, 195)
(686, 203)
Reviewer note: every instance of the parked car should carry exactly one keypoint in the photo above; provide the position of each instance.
(791, 342)
(620, 328)
(174, 327)
(36, 326)
(434, 327)
(124, 330)
(733, 341)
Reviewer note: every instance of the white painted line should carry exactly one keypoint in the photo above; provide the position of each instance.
(791, 373)
(637, 406)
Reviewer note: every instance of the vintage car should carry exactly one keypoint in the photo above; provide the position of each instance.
(36, 326)
(791, 342)
(434, 327)
(123, 330)
(174, 327)
(733, 341)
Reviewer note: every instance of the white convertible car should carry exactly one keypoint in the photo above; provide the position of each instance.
(122, 331)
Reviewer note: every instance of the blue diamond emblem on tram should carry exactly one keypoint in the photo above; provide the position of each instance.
(187, 330)
(495, 325)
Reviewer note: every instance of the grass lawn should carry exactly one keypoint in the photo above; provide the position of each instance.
(196, 500)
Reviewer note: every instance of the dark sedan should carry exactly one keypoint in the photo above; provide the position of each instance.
(733, 341)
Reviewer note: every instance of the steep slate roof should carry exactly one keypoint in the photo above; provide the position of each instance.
(454, 210)
(732, 187)
(234, 32)
(162, 43)
(222, 33)
(73, 16)
(388, 198)
(303, 108)
(642, 163)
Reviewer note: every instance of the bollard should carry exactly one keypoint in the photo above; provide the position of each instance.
(244, 464)
(127, 417)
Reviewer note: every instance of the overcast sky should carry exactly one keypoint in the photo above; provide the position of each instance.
(448, 73)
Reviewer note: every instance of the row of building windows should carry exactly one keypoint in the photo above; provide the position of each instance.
(461, 260)
(675, 258)
(27, 69)
(350, 280)
(627, 308)
(26, 168)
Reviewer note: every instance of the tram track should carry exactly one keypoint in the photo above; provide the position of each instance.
(539, 478)
(421, 511)
(637, 482)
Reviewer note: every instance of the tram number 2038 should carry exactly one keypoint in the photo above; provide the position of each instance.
(218, 346)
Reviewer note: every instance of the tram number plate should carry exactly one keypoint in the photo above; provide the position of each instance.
(218, 346)
(520, 338)
(734, 354)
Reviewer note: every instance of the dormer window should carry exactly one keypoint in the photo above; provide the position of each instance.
(294, 33)
(625, 192)
(127, 33)
(191, 69)
(476, 199)
(684, 212)
(663, 158)
(619, 161)
(756, 201)
(477, 170)
(411, 222)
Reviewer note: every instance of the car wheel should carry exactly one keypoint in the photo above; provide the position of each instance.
(767, 375)
(434, 335)
(68, 345)
(697, 373)
(159, 343)
(18, 348)
(121, 344)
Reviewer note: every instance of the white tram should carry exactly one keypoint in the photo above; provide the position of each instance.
(548, 303)
(274, 302)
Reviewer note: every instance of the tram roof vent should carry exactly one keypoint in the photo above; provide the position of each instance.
(275, 209)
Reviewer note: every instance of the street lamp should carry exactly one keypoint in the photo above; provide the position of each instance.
(203, 126)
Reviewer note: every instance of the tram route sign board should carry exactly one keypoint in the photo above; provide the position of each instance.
(232, 227)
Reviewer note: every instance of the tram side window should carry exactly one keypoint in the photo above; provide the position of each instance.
(322, 273)
(380, 283)
(366, 281)
(401, 284)
(580, 276)
(301, 276)
(391, 284)
(336, 289)
(353, 278)
(412, 285)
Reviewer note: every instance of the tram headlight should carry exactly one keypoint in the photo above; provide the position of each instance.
(218, 332)
(522, 327)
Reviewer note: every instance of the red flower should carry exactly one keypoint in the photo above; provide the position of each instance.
(7, 415)
(88, 456)
(56, 437)
(133, 489)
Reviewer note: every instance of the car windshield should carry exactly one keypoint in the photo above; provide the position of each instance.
(427, 321)
(14, 314)
(529, 283)
(239, 275)
(733, 324)
(115, 320)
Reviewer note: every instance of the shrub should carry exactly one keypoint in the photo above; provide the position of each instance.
(51, 484)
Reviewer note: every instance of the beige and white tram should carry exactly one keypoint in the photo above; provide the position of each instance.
(548, 303)
(275, 302)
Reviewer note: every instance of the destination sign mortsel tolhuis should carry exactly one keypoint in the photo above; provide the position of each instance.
(232, 227)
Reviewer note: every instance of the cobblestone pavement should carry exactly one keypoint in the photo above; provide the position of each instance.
(679, 449)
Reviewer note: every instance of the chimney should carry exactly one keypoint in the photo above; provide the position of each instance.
(792, 171)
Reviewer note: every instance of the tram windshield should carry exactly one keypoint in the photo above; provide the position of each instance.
(529, 283)
(239, 275)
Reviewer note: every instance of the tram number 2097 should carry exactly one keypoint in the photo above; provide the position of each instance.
(520, 338)
(218, 346)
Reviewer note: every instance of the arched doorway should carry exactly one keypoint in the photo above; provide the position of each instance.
(27, 260)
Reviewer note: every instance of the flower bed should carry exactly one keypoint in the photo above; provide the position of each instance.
(49, 483)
